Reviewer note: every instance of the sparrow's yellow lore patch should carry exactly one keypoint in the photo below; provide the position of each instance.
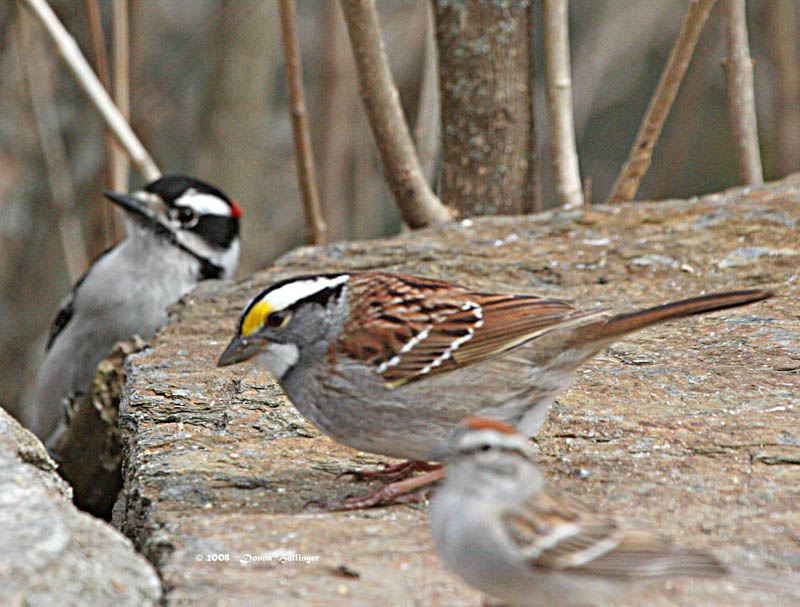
(255, 318)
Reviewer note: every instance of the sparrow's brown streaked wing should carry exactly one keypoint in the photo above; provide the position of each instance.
(409, 327)
(555, 532)
(424, 327)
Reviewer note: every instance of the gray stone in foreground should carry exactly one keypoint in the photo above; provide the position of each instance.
(50, 552)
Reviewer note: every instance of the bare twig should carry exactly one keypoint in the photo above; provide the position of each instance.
(120, 165)
(784, 21)
(427, 132)
(741, 97)
(86, 78)
(338, 109)
(302, 138)
(415, 198)
(627, 182)
(559, 103)
(98, 42)
(533, 139)
(53, 150)
(108, 212)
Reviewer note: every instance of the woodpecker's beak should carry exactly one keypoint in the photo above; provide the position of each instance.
(133, 206)
(239, 350)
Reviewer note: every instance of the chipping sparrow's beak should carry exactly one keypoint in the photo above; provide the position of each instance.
(239, 350)
(441, 453)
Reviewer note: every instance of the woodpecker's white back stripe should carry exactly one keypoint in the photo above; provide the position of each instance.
(290, 293)
(203, 203)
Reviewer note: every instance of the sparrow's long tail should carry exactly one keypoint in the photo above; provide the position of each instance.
(587, 338)
(622, 324)
(557, 353)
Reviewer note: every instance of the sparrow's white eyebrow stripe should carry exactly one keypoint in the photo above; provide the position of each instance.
(203, 204)
(476, 438)
(290, 293)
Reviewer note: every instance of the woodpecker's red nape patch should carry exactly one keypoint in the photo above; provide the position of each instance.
(236, 211)
(484, 423)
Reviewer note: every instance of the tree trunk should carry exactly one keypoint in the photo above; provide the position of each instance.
(487, 128)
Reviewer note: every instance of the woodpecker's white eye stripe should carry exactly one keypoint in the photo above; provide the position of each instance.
(290, 293)
(203, 203)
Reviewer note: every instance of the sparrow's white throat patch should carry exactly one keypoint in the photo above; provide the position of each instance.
(290, 293)
(203, 204)
(279, 358)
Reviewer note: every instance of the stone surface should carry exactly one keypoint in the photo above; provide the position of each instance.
(692, 426)
(52, 554)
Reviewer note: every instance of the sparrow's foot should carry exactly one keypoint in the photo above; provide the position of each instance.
(391, 472)
(406, 491)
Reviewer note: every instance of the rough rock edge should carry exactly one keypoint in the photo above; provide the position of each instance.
(53, 553)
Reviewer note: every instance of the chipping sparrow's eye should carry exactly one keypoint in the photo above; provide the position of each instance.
(276, 320)
(485, 447)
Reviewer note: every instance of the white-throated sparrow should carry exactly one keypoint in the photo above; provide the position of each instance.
(389, 363)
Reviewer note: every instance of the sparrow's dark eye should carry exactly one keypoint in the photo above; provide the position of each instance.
(485, 447)
(276, 320)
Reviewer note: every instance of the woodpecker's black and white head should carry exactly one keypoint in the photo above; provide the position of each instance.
(189, 215)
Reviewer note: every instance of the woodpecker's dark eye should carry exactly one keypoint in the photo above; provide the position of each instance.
(276, 320)
(186, 215)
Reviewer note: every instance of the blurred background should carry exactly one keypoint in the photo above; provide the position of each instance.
(208, 99)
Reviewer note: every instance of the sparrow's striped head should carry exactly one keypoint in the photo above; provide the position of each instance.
(265, 326)
(479, 436)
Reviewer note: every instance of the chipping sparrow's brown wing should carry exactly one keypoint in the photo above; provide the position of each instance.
(410, 327)
(555, 532)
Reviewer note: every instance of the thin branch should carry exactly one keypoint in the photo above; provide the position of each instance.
(86, 78)
(427, 131)
(741, 96)
(783, 24)
(337, 109)
(533, 139)
(97, 38)
(108, 212)
(627, 182)
(415, 199)
(120, 165)
(559, 103)
(54, 151)
(302, 139)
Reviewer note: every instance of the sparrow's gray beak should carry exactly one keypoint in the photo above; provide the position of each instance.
(239, 350)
